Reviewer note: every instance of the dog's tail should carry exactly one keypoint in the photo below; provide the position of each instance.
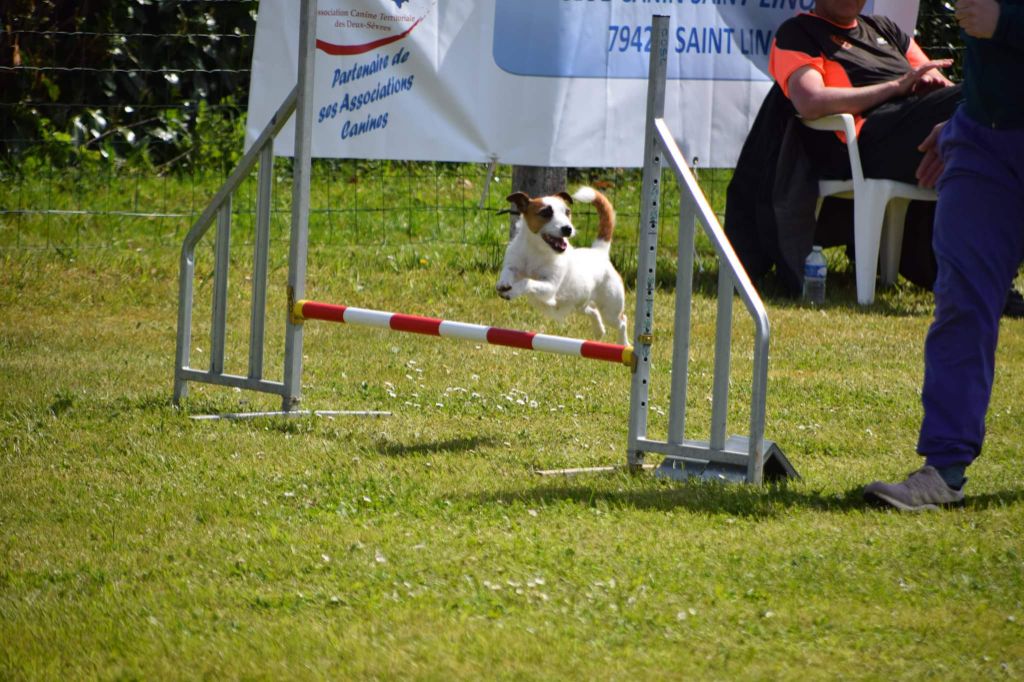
(605, 214)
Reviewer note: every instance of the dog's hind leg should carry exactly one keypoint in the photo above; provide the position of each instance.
(613, 309)
(595, 318)
(623, 330)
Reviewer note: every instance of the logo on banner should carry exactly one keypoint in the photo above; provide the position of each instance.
(368, 77)
(379, 26)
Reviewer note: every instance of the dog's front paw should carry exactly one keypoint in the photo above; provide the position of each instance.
(513, 290)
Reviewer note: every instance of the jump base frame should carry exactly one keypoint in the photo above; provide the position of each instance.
(750, 459)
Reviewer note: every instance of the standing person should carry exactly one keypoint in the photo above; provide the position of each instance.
(977, 160)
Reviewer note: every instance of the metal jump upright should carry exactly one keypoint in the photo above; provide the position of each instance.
(299, 101)
(736, 458)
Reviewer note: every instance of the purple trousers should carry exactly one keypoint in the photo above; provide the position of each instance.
(979, 246)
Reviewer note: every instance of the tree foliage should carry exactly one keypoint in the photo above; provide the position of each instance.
(938, 33)
(123, 78)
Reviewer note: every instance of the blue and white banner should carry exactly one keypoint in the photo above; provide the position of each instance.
(530, 82)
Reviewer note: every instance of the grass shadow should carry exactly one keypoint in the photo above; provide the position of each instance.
(1000, 498)
(702, 497)
(451, 445)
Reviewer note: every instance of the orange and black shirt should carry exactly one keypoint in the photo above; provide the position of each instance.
(871, 50)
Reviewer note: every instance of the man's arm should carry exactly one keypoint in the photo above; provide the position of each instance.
(812, 98)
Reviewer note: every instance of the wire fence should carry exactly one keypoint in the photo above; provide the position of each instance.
(99, 200)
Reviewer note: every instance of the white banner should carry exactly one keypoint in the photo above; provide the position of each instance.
(529, 82)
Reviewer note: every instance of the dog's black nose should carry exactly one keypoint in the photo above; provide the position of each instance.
(567, 231)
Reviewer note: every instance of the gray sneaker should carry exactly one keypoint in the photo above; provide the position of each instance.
(923, 490)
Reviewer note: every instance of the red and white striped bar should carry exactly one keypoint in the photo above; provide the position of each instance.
(593, 350)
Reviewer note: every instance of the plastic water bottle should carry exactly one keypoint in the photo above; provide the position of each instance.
(815, 271)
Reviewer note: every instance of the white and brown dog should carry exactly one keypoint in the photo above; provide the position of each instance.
(558, 279)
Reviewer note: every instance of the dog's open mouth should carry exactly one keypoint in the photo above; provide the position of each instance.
(557, 243)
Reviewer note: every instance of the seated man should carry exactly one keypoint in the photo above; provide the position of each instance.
(836, 61)
(833, 60)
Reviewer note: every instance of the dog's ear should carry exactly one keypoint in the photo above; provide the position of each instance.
(520, 200)
(565, 197)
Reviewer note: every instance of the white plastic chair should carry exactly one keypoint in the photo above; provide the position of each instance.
(879, 210)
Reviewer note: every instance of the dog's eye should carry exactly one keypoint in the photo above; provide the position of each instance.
(546, 212)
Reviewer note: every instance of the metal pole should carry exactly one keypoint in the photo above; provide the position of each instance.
(758, 407)
(723, 339)
(186, 273)
(643, 319)
(261, 248)
(222, 259)
(300, 204)
(681, 332)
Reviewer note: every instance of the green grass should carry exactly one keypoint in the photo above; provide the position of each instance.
(138, 543)
(396, 206)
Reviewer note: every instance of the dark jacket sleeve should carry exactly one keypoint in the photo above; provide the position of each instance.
(794, 199)
(770, 201)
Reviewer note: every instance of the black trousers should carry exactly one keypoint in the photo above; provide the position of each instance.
(889, 137)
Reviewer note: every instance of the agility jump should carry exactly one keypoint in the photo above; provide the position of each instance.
(431, 326)
(750, 458)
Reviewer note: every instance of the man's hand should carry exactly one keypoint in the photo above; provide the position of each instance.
(931, 80)
(930, 169)
(978, 18)
(924, 76)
